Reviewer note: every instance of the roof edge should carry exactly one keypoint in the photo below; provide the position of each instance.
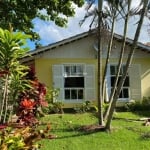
(78, 37)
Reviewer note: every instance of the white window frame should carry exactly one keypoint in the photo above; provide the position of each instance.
(108, 81)
(74, 75)
(89, 82)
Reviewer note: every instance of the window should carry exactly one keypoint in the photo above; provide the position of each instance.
(74, 82)
(125, 89)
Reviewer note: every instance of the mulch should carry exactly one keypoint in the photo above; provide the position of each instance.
(92, 128)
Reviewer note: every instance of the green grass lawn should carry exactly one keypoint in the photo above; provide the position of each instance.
(126, 134)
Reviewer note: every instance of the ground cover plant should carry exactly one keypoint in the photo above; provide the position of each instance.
(128, 132)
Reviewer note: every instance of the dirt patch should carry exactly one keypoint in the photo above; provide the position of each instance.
(92, 128)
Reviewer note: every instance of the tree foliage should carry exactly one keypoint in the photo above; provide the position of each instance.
(20, 13)
(11, 49)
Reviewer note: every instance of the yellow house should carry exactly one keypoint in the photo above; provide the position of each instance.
(71, 66)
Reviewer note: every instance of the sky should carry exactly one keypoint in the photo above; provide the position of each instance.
(51, 33)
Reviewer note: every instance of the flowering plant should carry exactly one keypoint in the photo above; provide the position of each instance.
(31, 99)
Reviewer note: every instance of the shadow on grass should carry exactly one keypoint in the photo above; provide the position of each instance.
(142, 113)
(80, 130)
(127, 119)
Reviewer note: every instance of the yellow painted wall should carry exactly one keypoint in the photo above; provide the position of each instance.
(44, 67)
(145, 75)
(44, 71)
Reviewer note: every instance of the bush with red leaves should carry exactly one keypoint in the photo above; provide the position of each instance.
(30, 100)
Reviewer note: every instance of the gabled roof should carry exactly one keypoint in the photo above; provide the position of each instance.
(49, 47)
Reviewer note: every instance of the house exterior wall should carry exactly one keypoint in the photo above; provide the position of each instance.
(44, 71)
(145, 75)
(45, 74)
(83, 52)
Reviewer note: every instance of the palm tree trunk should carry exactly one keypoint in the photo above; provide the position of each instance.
(128, 63)
(120, 61)
(99, 65)
(109, 50)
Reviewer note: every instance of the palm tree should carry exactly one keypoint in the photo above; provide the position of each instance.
(115, 7)
(126, 16)
(103, 23)
(99, 64)
(128, 63)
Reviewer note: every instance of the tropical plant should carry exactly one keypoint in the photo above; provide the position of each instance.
(31, 100)
(54, 105)
(11, 49)
(138, 105)
(106, 18)
(86, 106)
(120, 8)
(126, 16)
(145, 4)
(23, 138)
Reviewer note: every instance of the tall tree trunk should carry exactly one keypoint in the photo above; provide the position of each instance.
(128, 63)
(120, 61)
(99, 65)
(109, 51)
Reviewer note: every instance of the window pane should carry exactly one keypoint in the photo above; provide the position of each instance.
(73, 94)
(79, 70)
(125, 93)
(67, 70)
(123, 69)
(120, 95)
(126, 82)
(112, 81)
(67, 94)
(80, 94)
(74, 82)
(73, 70)
(125, 90)
(112, 70)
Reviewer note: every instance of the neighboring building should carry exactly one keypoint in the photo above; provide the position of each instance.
(71, 66)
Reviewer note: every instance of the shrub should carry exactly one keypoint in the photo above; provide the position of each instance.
(30, 100)
(86, 106)
(23, 138)
(138, 105)
(54, 106)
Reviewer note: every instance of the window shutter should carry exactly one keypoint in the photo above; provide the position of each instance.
(90, 82)
(135, 82)
(58, 80)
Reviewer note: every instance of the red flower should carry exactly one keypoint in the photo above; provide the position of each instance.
(28, 104)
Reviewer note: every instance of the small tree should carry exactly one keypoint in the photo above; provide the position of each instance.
(11, 49)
